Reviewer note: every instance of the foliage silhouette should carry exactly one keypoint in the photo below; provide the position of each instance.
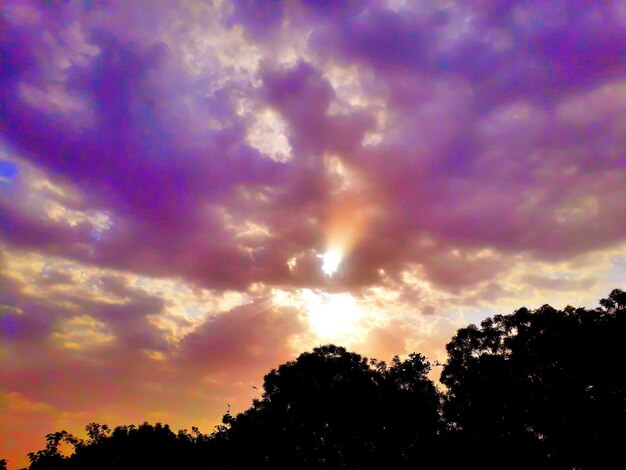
(334, 409)
(533, 389)
(124, 447)
(540, 388)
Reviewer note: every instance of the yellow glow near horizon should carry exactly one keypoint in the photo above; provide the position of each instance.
(332, 316)
(332, 259)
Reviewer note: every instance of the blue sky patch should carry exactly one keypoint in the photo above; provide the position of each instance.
(7, 169)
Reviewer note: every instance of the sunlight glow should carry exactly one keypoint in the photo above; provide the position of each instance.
(332, 316)
(332, 259)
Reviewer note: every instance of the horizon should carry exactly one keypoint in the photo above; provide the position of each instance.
(192, 193)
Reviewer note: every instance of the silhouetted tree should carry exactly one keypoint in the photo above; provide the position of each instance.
(334, 409)
(542, 388)
(124, 447)
(3, 464)
(50, 458)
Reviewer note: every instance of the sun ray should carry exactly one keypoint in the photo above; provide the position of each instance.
(347, 214)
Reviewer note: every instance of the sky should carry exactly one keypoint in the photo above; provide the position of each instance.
(194, 192)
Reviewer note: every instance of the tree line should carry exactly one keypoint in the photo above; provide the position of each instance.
(533, 389)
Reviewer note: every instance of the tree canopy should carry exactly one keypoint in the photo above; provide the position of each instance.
(544, 387)
(331, 408)
(537, 388)
(145, 446)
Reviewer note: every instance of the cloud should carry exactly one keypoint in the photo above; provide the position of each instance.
(466, 160)
(254, 335)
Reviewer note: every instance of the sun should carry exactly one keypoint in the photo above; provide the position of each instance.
(332, 316)
(332, 259)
